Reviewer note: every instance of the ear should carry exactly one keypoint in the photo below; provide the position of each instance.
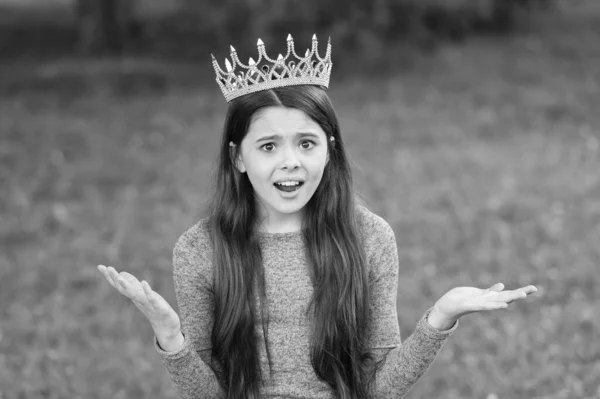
(332, 140)
(236, 157)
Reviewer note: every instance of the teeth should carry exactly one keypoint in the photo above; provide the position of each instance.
(289, 183)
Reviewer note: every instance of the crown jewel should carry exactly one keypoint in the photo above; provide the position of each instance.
(287, 70)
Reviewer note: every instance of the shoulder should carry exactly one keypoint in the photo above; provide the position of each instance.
(193, 250)
(195, 237)
(379, 243)
(371, 226)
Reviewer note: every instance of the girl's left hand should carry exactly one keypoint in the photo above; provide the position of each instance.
(461, 301)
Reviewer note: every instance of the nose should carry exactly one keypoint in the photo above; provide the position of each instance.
(290, 159)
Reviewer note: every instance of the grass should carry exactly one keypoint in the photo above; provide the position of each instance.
(483, 158)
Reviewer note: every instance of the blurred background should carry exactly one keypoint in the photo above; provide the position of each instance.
(473, 130)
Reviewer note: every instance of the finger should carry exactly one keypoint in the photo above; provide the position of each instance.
(113, 274)
(133, 292)
(104, 270)
(122, 285)
(135, 289)
(148, 291)
(496, 287)
(152, 296)
(510, 296)
(130, 278)
(134, 285)
(124, 282)
(146, 287)
(530, 289)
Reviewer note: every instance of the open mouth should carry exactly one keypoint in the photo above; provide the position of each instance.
(288, 187)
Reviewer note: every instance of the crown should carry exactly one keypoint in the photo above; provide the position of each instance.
(284, 71)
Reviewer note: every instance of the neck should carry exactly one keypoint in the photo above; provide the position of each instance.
(280, 223)
(280, 227)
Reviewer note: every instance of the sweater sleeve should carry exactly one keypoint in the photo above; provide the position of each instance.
(403, 362)
(188, 366)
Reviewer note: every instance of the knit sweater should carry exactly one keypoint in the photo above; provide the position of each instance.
(288, 291)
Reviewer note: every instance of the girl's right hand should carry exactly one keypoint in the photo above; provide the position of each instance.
(164, 320)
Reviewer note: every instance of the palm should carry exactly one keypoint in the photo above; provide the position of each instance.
(160, 314)
(461, 301)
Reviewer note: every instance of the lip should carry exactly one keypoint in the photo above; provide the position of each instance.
(290, 179)
(289, 194)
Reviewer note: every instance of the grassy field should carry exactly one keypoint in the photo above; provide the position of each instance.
(485, 159)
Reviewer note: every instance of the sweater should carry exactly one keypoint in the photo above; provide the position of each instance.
(288, 291)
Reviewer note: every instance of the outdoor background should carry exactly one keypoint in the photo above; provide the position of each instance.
(473, 130)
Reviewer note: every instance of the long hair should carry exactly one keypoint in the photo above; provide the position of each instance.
(340, 302)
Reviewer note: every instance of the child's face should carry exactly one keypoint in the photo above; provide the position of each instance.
(298, 152)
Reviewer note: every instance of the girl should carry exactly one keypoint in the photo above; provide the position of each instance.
(288, 288)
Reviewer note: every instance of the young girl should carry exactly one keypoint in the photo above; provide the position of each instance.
(288, 289)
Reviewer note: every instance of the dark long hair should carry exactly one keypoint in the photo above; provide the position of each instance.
(334, 251)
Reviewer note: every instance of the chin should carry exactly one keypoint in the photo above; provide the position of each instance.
(286, 210)
(285, 206)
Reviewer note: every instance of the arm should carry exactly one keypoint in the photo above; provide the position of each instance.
(404, 363)
(188, 365)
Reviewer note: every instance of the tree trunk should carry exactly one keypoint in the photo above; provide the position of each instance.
(103, 25)
(111, 31)
(503, 15)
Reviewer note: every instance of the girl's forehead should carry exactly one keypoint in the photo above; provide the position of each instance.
(282, 121)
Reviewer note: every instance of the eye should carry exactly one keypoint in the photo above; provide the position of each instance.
(263, 147)
(312, 143)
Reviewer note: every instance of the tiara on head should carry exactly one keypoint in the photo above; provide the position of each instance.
(284, 71)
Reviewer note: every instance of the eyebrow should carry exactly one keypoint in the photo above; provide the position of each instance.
(277, 137)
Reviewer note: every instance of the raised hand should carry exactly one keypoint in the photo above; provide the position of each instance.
(461, 301)
(163, 319)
